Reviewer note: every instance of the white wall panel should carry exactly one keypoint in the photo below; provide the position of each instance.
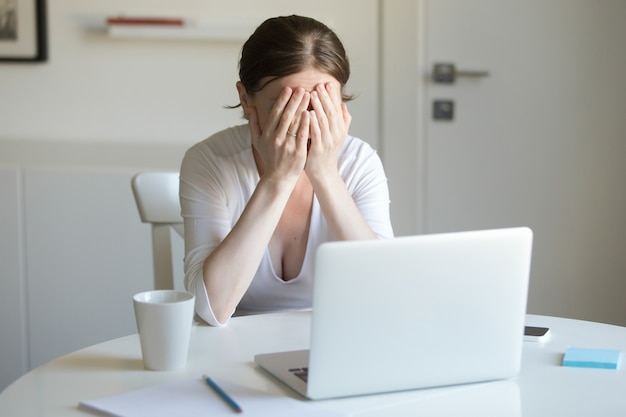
(13, 359)
(87, 254)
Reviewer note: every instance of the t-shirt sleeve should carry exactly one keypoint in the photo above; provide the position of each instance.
(206, 221)
(365, 178)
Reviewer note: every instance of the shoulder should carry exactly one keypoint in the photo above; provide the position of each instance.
(225, 151)
(230, 141)
(357, 151)
(359, 164)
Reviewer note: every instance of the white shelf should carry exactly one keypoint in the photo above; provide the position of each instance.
(208, 33)
(162, 28)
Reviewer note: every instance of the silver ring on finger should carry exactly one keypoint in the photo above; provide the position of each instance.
(291, 134)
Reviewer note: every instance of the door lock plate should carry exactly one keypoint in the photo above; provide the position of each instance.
(443, 110)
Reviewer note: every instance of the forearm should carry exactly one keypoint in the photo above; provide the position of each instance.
(230, 268)
(344, 219)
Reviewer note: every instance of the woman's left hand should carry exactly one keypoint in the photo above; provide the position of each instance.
(329, 124)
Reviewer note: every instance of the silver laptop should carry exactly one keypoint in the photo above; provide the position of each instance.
(412, 312)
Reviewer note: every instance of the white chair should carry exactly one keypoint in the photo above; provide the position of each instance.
(156, 195)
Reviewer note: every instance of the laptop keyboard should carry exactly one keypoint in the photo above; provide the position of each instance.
(302, 373)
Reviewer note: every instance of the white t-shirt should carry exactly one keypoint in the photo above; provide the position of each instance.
(217, 179)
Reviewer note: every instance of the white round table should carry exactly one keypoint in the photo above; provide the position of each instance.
(543, 387)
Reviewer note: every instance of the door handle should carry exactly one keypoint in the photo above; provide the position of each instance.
(448, 73)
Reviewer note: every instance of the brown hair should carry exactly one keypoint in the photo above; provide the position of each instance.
(286, 45)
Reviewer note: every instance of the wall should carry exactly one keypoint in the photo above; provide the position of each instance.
(73, 131)
(95, 88)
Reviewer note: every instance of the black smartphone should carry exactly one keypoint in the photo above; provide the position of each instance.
(535, 334)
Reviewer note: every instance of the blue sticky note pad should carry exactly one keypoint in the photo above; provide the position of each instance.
(592, 358)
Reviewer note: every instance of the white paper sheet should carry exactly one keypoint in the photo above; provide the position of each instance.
(193, 397)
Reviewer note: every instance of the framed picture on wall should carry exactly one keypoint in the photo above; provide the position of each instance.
(23, 30)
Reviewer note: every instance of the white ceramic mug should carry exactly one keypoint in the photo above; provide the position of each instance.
(164, 319)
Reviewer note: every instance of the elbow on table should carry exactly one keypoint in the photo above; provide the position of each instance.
(203, 308)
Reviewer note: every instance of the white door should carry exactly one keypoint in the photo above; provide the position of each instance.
(540, 141)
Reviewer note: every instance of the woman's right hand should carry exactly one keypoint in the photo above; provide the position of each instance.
(283, 155)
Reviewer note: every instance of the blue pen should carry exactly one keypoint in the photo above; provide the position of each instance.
(222, 394)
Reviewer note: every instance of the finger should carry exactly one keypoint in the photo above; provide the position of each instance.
(286, 119)
(318, 107)
(334, 96)
(334, 109)
(253, 122)
(278, 109)
(347, 117)
(316, 132)
(302, 107)
(330, 103)
(304, 132)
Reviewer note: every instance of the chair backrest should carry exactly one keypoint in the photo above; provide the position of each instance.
(156, 195)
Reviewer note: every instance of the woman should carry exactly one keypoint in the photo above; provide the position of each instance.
(258, 199)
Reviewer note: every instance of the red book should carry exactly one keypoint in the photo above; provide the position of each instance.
(148, 21)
